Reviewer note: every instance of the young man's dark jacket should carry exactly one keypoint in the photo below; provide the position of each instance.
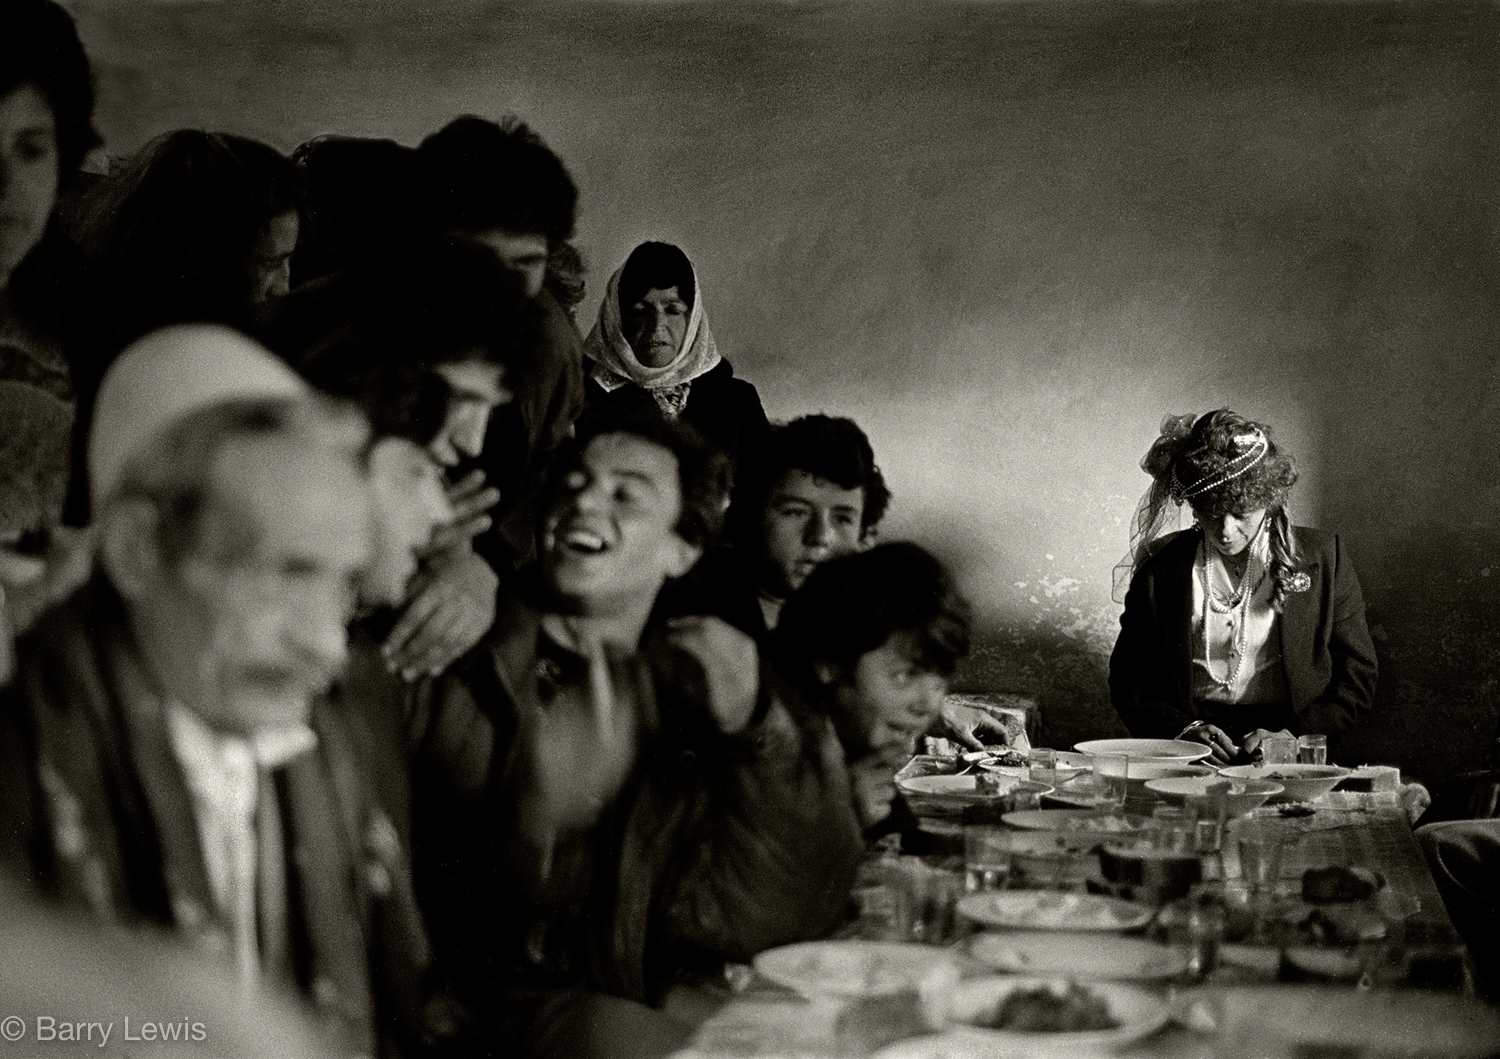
(1326, 652)
(95, 811)
(716, 846)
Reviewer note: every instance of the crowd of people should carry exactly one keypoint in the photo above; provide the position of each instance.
(477, 682)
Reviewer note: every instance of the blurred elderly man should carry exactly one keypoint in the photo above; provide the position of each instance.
(163, 757)
(645, 803)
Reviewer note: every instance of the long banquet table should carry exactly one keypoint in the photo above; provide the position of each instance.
(1422, 952)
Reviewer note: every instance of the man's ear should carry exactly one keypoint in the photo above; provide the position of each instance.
(129, 548)
(682, 556)
(869, 537)
(828, 673)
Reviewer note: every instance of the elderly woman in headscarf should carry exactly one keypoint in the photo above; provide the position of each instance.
(651, 348)
(1243, 625)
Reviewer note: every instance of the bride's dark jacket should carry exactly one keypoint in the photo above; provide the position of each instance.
(1326, 651)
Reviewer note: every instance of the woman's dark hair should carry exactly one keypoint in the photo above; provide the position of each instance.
(656, 266)
(704, 474)
(854, 604)
(377, 333)
(474, 176)
(828, 447)
(39, 46)
(175, 232)
(1218, 443)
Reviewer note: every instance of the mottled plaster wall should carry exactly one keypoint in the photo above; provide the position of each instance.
(1008, 238)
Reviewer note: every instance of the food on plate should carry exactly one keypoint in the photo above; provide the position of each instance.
(1294, 809)
(1077, 1009)
(1340, 927)
(1337, 885)
(1006, 756)
(936, 746)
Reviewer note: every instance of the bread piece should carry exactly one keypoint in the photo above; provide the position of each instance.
(1338, 885)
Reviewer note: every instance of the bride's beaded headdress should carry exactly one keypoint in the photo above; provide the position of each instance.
(1207, 472)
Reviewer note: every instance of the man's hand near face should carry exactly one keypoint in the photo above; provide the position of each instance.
(451, 602)
(471, 500)
(450, 608)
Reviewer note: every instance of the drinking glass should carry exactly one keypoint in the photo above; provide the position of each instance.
(1279, 750)
(925, 898)
(987, 858)
(1174, 829)
(1110, 772)
(1041, 764)
(1195, 927)
(1312, 749)
(1260, 847)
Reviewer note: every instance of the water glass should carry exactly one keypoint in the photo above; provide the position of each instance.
(1174, 829)
(1195, 927)
(1110, 773)
(987, 858)
(1312, 749)
(1041, 764)
(1279, 750)
(1260, 847)
(925, 899)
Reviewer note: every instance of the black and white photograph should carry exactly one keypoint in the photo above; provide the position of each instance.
(750, 529)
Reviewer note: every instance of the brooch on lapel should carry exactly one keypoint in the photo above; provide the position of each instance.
(1298, 582)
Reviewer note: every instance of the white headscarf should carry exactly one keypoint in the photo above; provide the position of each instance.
(615, 364)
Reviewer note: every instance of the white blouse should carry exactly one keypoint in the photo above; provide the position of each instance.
(1260, 679)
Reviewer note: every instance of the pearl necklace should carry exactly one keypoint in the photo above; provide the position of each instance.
(1236, 605)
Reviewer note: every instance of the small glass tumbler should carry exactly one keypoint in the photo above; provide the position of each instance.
(1173, 829)
(1195, 927)
(1279, 750)
(1312, 749)
(1260, 847)
(1041, 765)
(987, 858)
(1110, 775)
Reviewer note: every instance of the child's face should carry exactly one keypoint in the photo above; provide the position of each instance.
(893, 699)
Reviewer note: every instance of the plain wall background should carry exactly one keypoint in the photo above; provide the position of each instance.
(1008, 239)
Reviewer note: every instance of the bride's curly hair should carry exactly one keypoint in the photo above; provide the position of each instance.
(1218, 445)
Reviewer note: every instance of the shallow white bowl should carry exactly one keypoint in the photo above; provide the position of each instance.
(1300, 783)
(1243, 796)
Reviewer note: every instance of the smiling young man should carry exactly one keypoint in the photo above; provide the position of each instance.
(644, 802)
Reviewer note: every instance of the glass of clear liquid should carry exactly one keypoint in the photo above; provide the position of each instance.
(1110, 775)
(988, 853)
(1312, 749)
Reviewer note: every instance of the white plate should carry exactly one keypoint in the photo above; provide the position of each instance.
(1146, 749)
(1138, 1013)
(851, 968)
(1078, 955)
(947, 795)
(1085, 820)
(1052, 910)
